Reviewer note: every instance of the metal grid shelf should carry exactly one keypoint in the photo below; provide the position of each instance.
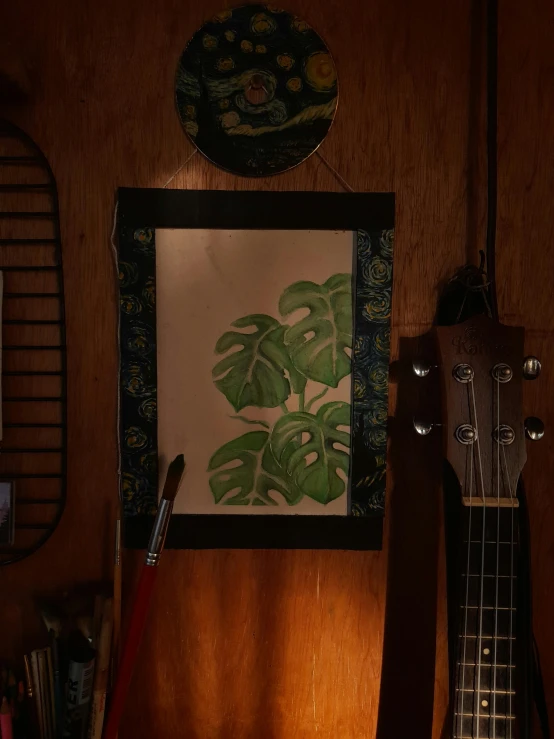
(33, 451)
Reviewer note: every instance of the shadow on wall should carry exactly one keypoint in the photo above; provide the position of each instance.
(409, 651)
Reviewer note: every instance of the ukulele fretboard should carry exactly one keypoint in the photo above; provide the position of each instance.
(484, 699)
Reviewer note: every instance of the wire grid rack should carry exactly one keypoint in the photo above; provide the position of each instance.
(33, 452)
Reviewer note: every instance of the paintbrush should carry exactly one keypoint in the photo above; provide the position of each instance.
(101, 673)
(144, 593)
(117, 586)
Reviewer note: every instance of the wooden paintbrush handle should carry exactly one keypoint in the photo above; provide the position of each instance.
(138, 619)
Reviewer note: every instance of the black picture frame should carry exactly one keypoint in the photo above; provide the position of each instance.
(142, 211)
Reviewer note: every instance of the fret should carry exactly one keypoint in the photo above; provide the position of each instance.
(498, 702)
(484, 638)
(466, 727)
(493, 562)
(479, 665)
(498, 524)
(469, 654)
(500, 577)
(482, 714)
(468, 676)
(472, 592)
(487, 541)
(498, 692)
(489, 608)
(487, 622)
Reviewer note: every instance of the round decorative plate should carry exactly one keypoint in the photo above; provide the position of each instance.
(256, 90)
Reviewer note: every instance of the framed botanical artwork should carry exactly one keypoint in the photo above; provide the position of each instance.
(254, 338)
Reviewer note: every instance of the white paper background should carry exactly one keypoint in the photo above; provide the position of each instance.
(205, 279)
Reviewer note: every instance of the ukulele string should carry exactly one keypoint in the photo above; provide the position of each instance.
(468, 561)
(495, 660)
(511, 635)
(480, 641)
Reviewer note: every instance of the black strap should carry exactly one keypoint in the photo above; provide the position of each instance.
(536, 678)
(540, 699)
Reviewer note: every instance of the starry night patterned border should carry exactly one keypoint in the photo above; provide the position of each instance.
(138, 371)
(370, 372)
(371, 350)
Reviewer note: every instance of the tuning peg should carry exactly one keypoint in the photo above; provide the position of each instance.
(531, 368)
(421, 368)
(534, 428)
(423, 427)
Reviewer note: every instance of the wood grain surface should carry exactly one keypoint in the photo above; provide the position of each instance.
(289, 645)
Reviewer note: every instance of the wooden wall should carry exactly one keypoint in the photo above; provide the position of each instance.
(288, 645)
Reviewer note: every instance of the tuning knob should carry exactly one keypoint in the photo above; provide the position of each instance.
(421, 368)
(466, 434)
(423, 428)
(531, 368)
(534, 428)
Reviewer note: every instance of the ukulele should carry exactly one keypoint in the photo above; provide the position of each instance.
(482, 366)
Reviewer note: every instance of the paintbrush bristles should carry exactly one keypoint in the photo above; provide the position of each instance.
(174, 477)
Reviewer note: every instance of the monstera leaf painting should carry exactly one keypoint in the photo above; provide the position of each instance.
(319, 342)
(255, 375)
(319, 479)
(257, 475)
(267, 364)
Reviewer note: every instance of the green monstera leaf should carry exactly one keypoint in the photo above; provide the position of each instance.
(318, 341)
(255, 374)
(296, 437)
(277, 352)
(255, 477)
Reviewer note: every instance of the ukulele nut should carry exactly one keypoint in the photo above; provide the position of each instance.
(463, 373)
(466, 434)
(502, 372)
(504, 434)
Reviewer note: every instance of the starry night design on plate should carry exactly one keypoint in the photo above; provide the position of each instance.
(256, 90)
(138, 371)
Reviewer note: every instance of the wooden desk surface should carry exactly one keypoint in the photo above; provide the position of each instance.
(252, 645)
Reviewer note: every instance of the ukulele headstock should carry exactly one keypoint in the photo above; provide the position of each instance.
(481, 364)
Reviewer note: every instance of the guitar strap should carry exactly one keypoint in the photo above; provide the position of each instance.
(535, 672)
(540, 699)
